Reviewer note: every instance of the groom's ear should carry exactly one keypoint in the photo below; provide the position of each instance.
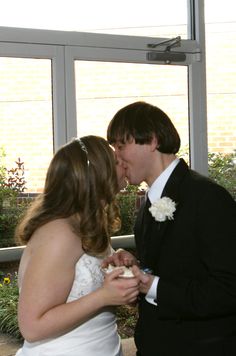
(154, 144)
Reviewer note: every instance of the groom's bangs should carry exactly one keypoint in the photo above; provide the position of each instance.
(118, 132)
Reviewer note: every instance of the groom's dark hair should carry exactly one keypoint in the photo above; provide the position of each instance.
(142, 121)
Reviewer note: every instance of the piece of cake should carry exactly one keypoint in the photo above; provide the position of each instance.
(127, 272)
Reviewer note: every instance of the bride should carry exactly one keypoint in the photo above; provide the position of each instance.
(66, 304)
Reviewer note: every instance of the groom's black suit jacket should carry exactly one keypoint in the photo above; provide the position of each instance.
(195, 257)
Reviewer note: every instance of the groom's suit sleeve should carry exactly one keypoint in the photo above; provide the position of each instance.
(197, 264)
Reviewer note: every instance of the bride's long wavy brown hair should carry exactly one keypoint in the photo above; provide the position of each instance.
(81, 184)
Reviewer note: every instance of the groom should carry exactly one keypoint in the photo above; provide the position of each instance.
(188, 240)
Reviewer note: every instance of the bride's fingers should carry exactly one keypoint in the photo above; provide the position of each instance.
(131, 293)
(132, 297)
(114, 274)
(132, 300)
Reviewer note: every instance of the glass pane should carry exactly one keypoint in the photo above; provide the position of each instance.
(26, 116)
(154, 18)
(221, 76)
(221, 94)
(102, 88)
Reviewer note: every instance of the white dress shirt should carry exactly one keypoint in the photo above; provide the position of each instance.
(154, 193)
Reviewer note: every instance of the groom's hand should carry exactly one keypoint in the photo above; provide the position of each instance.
(145, 279)
(120, 258)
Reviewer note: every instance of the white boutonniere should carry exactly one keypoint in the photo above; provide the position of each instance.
(163, 209)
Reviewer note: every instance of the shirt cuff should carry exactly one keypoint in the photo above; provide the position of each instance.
(151, 295)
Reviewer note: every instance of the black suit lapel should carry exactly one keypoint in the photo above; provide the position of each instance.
(152, 232)
(171, 189)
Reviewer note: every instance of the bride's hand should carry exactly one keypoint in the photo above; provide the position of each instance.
(119, 291)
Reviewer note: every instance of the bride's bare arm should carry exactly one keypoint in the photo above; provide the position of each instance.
(47, 281)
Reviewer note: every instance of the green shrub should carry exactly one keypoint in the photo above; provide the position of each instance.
(9, 295)
(11, 180)
(12, 183)
(127, 200)
(9, 218)
(126, 320)
(222, 169)
(127, 204)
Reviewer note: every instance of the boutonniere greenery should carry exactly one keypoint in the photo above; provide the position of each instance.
(163, 209)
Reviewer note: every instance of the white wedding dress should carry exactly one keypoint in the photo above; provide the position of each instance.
(96, 337)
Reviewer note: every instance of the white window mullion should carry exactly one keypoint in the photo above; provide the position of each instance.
(197, 117)
(59, 102)
(70, 94)
(198, 96)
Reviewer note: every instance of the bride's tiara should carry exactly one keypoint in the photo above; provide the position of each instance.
(83, 148)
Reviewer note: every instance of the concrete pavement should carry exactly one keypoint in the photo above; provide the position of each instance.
(129, 348)
(8, 345)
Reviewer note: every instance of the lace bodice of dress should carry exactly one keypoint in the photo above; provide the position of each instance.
(88, 277)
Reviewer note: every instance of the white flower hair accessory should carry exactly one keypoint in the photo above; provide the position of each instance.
(163, 209)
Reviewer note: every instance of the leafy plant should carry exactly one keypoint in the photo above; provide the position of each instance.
(12, 182)
(222, 169)
(127, 211)
(127, 200)
(8, 220)
(9, 295)
(126, 320)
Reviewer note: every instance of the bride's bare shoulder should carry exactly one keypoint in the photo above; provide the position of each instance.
(57, 227)
(56, 224)
(56, 234)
